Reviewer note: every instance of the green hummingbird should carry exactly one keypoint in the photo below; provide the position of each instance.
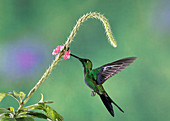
(94, 78)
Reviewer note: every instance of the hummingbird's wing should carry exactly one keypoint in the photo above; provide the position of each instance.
(106, 71)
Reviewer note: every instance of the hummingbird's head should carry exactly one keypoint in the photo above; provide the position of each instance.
(86, 62)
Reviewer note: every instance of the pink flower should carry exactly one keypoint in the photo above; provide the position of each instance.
(57, 49)
(66, 55)
(60, 48)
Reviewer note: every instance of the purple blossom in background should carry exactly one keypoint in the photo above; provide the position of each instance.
(26, 59)
(23, 59)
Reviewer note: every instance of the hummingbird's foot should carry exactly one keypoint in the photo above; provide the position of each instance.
(93, 93)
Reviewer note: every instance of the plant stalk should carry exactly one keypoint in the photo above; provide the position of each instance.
(67, 45)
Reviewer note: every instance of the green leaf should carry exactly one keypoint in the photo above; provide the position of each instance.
(3, 110)
(32, 107)
(33, 114)
(52, 114)
(25, 119)
(5, 113)
(18, 119)
(48, 102)
(2, 116)
(42, 98)
(8, 119)
(16, 94)
(2, 95)
(20, 95)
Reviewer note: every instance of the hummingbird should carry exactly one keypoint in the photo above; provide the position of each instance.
(94, 78)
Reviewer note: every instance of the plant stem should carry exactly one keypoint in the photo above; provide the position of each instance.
(97, 16)
(43, 78)
(67, 44)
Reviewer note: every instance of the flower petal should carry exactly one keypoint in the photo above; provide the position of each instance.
(58, 49)
(66, 55)
(61, 47)
(54, 52)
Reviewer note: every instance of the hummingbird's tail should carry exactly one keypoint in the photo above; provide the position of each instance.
(108, 103)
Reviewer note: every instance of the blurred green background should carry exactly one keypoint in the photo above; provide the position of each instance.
(31, 29)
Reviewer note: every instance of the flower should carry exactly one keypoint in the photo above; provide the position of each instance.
(57, 49)
(27, 54)
(66, 55)
(60, 48)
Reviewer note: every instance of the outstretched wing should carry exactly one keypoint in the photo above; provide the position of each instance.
(106, 71)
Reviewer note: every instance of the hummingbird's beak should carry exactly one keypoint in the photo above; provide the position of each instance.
(76, 57)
